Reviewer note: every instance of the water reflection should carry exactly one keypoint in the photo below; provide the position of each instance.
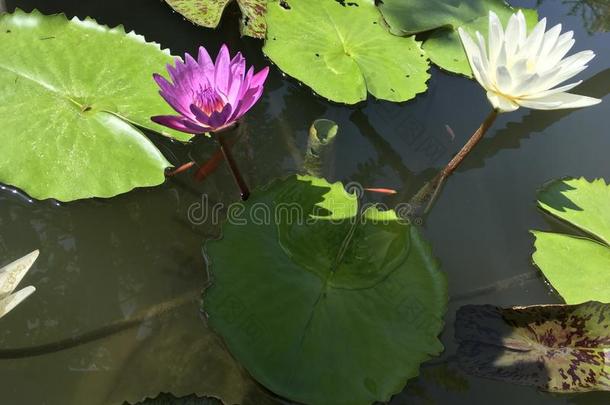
(595, 14)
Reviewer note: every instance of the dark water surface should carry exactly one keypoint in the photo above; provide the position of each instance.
(106, 260)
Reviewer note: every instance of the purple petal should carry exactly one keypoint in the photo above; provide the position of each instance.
(222, 70)
(248, 100)
(238, 68)
(245, 85)
(196, 127)
(178, 123)
(163, 83)
(204, 57)
(174, 72)
(220, 119)
(189, 61)
(178, 102)
(216, 120)
(259, 79)
(200, 115)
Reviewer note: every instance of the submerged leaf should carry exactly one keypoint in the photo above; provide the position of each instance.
(71, 91)
(558, 348)
(443, 47)
(577, 267)
(343, 51)
(324, 304)
(319, 156)
(209, 12)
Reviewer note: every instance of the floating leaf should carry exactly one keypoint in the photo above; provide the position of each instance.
(209, 12)
(323, 304)
(577, 267)
(71, 91)
(343, 50)
(558, 348)
(443, 47)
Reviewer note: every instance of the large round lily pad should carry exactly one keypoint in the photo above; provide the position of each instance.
(323, 304)
(71, 91)
(443, 47)
(342, 50)
(578, 267)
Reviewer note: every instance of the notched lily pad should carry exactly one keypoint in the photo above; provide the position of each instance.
(443, 47)
(208, 13)
(577, 266)
(557, 348)
(342, 50)
(71, 91)
(321, 300)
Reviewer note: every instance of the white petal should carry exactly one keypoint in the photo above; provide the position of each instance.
(502, 58)
(525, 85)
(469, 46)
(519, 70)
(12, 274)
(496, 36)
(560, 101)
(511, 36)
(568, 68)
(503, 79)
(549, 42)
(522, 28)
(8, 303)
(474, 57)
(482, 49)
(556, 90)
(532, 45)
(555, 55)
(577, 60)
(501, 103)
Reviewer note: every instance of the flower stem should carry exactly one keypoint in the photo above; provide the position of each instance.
(180, 169)
(239, 180)
(474, 139)
(429, 192)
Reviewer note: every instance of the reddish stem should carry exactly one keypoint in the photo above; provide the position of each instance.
(180, 169)
(239, 180)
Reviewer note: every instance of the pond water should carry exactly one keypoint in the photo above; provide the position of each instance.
(106, 260)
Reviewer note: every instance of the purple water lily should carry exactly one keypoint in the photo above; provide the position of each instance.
(209, 96)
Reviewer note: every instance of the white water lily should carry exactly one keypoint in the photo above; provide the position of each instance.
(520, 70)
(10, 276)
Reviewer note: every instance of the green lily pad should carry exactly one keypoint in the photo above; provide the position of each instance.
(71, 91)
(208, 13)
(557, 348)
(344, 50)
(577, 267)
(444, 47)
(321, 300)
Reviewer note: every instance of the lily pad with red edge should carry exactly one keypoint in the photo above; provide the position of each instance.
(208, 13)
(557, 348)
